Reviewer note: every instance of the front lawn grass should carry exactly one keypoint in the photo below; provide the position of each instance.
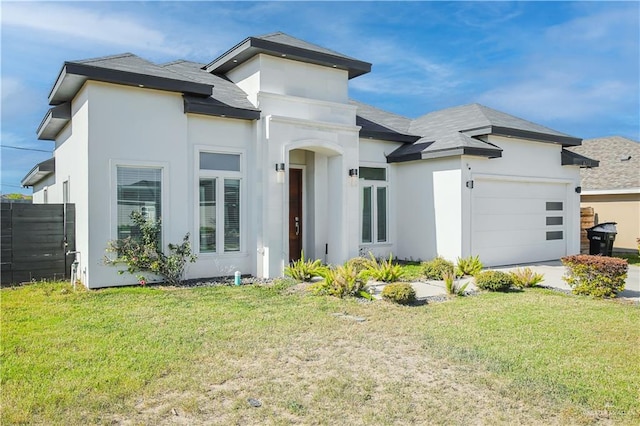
(195, 355)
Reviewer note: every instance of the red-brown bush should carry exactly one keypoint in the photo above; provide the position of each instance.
(597, 276)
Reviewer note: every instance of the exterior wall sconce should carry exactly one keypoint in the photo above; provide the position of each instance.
(578, 189)
(353, 176)
(280, 172)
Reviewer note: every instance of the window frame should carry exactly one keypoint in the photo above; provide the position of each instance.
(164, 198)
(374, 185)
(220, 176)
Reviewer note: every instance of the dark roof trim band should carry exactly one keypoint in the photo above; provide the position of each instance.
(569, 158)
(210, 107)
(542, 137)
(388, 136)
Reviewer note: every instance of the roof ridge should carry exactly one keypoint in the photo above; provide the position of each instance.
(354, 101)
(107, 57)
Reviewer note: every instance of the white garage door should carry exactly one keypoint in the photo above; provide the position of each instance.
(516, 222)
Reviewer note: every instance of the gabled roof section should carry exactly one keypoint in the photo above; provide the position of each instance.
(619, 164)
(378, 124)
(283, 45)
(478, 120)
(126, 69)
(39, 172)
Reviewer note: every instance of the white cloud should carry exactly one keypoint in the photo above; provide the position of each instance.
(82, 26)
(581, 71)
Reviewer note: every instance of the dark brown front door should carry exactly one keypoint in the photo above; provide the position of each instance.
(295, 214)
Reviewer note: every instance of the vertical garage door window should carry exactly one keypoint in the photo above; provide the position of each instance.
(554, 219)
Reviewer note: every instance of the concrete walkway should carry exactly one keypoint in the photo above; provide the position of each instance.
(552, 271)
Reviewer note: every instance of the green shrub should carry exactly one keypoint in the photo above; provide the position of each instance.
(340, 282)
(525, 278)
(436, 268)
(144, 254)
(450, 285)
(401, 293)
(303, 270)
(596, 276)
(359, 263)
(385, 270)
(468, 266)
(493, 280)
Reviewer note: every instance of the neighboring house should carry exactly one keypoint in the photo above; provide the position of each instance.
(613, 189)
(260, 154)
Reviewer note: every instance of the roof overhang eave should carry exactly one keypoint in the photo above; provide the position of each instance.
(621, 191)
(39, 172)
(54, 121)
(536, 136)
(74, 75)
(452, 152)
(569, 158)
(388, 136)
(197, 106)
(252, 46)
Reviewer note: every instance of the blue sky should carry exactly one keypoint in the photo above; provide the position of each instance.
(572, 66)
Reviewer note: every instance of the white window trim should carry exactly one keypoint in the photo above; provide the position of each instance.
(374, 211)
(219, 175)
(164, 196)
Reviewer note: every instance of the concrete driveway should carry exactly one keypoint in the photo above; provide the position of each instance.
(552, 271)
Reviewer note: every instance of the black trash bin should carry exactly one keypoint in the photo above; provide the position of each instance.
(601, 238)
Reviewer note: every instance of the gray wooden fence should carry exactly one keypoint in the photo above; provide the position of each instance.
(34, 241)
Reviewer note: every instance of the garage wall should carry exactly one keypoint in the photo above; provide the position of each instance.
(508, 201)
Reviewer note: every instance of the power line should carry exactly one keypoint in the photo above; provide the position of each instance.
(24, 149)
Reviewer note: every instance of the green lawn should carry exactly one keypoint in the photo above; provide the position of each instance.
(633, 259)
(146, 355)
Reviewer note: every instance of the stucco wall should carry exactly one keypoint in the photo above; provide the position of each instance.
(148, 128)
(71, 165)
(624, 209)
(422, 232)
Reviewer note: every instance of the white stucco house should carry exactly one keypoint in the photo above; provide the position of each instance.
(261, 154)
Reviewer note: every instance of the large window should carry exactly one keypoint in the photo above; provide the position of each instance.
(374, 202)
(139, 189)
(220, 186)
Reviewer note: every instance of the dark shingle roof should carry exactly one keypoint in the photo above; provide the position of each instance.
(476, 119)
(382, 125)
(223, 90)
(287, 40)
(128, 62)
(283, 45)
(387, 119)
(456, 131)
(126, 69)
(619, 163)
